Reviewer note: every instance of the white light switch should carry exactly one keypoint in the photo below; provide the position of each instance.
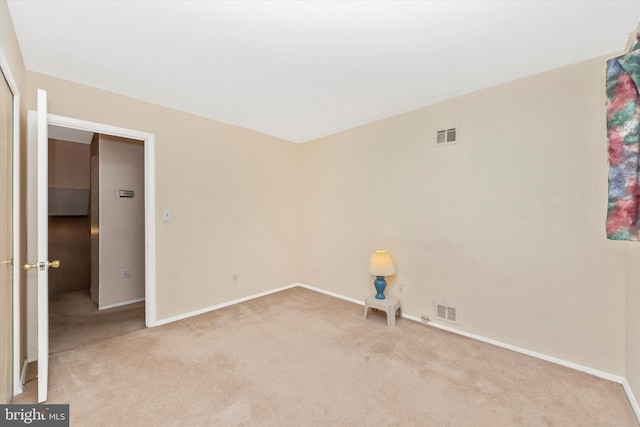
(166, 214)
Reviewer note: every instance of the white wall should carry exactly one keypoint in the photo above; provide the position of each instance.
(120, 235)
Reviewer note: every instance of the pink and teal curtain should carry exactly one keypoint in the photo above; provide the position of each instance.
(623, 131)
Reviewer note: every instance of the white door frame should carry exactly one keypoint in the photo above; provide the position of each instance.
(17, 262)
(149, 197)
(41, 263)
(150, 221)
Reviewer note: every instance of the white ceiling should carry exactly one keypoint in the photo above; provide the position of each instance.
(306, 69)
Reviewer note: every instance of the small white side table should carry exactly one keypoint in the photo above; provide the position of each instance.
(390, 305)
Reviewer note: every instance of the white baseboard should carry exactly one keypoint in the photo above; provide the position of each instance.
(615, 378)
(333, 294)
(632, 398)
(595, 372)
(120, 304)
(219, 306)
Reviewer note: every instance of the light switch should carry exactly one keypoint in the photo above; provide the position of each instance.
(166, 214)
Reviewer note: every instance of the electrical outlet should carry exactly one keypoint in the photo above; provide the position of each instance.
(401, 288)
(125, 273)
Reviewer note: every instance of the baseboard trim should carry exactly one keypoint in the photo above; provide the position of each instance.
(595, 372)
(219, 306)
(333, 294)
(632, 398)
(120, 304)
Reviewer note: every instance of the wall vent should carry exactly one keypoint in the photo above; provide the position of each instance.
(446, 136)
(444, 312)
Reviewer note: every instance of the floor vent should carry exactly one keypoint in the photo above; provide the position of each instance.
(444, 312)
(446, 136)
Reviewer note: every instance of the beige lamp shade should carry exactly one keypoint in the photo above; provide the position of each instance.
(381, 264)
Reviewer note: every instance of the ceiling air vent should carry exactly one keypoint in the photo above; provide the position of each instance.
(446, 136)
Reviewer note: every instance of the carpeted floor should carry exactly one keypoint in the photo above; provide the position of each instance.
(74, 319)
(301, 358)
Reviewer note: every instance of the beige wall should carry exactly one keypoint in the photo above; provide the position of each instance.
(506, 225)
(234, 196)
(11, 51)
(632, 354)
(121, 221)
(10, 47)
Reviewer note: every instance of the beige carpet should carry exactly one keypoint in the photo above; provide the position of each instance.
(74, 319)
(300, 358)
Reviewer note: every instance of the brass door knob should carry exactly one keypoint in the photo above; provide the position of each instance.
(28, 266)
(50, 264)
(9, 261)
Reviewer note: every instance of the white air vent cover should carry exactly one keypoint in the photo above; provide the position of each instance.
(451, 314)
(446, 136)
(445, 312)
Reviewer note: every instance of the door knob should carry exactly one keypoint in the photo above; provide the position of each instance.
(9, 261)
(41, 266)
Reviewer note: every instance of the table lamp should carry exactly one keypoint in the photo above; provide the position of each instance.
(381, 265)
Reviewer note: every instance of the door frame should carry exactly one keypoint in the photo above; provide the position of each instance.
(150, 208)
(17, 261)
(149, 196)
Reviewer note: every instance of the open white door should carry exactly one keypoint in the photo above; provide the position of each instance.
(42, 264)
(43, 247)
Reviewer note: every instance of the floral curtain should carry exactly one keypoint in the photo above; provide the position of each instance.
(623, 131)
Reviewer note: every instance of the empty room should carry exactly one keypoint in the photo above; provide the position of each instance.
(408, 213)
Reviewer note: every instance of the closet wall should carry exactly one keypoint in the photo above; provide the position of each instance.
(117, 220)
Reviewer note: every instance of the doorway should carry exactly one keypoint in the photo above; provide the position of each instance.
(96, 231)
(148, 142)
